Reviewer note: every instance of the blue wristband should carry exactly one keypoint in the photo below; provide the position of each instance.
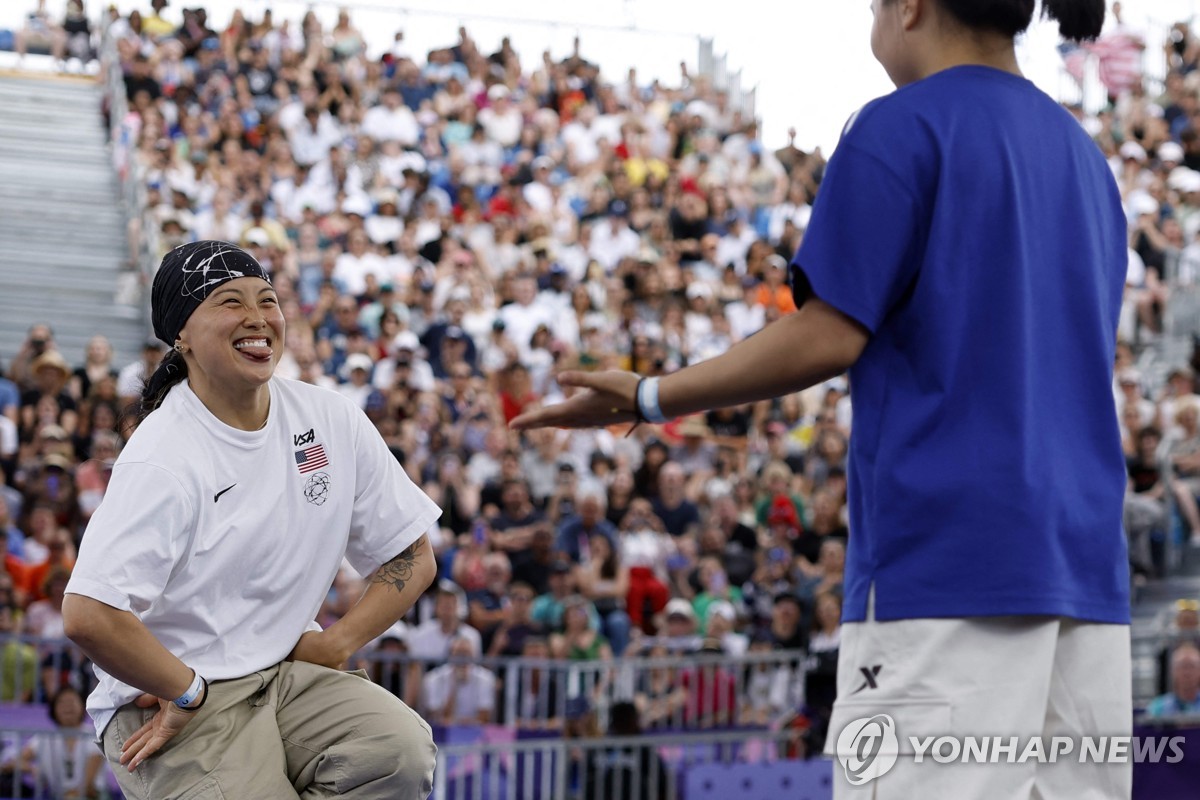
(193, 692)
(647, 401)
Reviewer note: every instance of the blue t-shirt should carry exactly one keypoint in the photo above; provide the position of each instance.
(970, 224)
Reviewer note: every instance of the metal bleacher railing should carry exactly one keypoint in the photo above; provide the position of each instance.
(123, 134)
(696, 692)
(542, 736)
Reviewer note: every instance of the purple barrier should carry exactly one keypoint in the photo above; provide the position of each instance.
(1163, 781)
(795, 780)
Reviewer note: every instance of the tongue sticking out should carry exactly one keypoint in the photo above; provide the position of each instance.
(258, 352)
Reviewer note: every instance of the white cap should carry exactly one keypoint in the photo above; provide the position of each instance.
(357, 361)
(681, 606)
(1170, 151)
(1180, 178)
(357, 204)
(498, 91)
(1142, 203)
(722, 608)
(699, 289)
(405, 340)
(1133, 150)
(257, 236)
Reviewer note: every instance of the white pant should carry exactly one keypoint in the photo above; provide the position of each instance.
(987, 676)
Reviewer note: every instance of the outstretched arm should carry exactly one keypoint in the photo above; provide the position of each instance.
(391, 591)
(813, 344)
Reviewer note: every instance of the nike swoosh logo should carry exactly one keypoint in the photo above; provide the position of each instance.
(217, 496)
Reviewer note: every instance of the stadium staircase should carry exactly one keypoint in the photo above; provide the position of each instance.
(64, 257)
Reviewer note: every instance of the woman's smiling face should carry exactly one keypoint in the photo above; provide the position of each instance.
(235, 338)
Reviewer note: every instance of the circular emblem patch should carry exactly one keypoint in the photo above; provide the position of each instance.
(316, 491)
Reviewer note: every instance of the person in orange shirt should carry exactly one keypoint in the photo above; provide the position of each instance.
(774, 290)
(62, 556)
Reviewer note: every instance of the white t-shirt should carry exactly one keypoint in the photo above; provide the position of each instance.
(62, 760)
(428, 640)
(398, 125)
(224, 542)
(474, 694)
(352, 271)
(9, 439)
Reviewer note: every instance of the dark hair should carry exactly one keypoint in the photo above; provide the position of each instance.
(53, 708)
(623, 720)
(171, 370)
(1077, 19)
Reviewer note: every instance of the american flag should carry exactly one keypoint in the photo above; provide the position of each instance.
(310, 459)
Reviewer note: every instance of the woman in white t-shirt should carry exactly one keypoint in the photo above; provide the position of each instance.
(199, 576)
(65, 763)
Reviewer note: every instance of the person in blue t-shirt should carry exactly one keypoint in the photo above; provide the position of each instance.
(1184, 697)
(965, 262)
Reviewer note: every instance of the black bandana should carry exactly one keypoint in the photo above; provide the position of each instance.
(188, 274)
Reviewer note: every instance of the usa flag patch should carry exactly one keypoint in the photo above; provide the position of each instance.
(312, 458)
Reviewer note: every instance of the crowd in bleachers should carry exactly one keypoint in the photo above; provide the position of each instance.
(449, 230)
(446, 233)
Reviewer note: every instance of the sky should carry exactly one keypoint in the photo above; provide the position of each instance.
(811, 61)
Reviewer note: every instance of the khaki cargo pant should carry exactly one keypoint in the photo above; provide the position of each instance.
(295, 730)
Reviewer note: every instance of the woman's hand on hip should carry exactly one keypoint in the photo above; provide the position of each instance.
(320, 647)
(162, 727)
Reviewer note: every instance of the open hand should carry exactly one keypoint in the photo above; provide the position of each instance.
(609, 397)
(162, 727)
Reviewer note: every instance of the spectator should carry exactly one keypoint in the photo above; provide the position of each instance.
(678, 514)
(518, 518)
(1184, 628)
(65, 762)
(50, 376)
(580, 639)
(517, 626)
(828, 573)
(97, 365)
(540, 689)
(679, 631)
(721, 626)
(578, 532)
(459, 693)
(44, 619)
(646, 549)
(714, 588)
(14, 540)
(1184, 697)
(18, 660)
(659, 696)
(41, 33)
(1183, 454)
(430, 641)
(487, 606)
(1145, 501)
(133, 376)
(787, 628)
(771, 689)
(710, 688)
(604, 581)
(387, 662)
(628, 771)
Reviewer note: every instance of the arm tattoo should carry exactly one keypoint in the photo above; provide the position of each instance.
(399, 570)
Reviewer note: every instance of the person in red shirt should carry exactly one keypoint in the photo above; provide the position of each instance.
(516, 391)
